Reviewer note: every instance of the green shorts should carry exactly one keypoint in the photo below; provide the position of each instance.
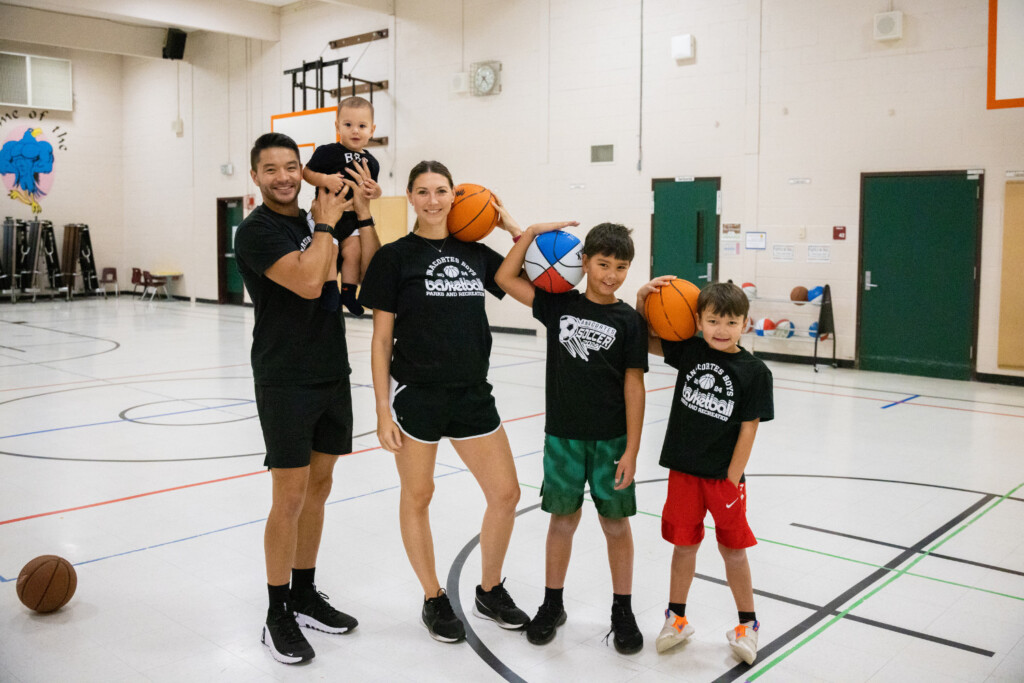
(570, 464)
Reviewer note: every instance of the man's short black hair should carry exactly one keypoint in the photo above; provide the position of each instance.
(268, 140)
(723, 298)
(609, 239)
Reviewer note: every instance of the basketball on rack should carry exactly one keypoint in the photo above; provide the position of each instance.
(764, 326)
(472, 216)
(799, 295)
(750, 289)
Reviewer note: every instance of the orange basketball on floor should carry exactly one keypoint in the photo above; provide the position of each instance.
(472, 216)
(672, 310)
(46, 583)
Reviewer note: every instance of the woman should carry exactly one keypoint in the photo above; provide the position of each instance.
(430, 350)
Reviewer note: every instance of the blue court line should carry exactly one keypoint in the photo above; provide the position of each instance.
(257, 521)
(119, 421)
(908, 398)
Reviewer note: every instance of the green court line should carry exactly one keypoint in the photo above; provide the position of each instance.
(921, 555)
(828, 624)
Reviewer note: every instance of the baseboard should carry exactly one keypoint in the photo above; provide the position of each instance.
(802, 360)
(999, 379)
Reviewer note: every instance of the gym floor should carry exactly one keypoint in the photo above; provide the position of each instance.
(888, 510)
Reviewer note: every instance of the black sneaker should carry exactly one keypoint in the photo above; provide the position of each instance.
(542, 627)
(498, 606)
(313, 611)
(628, 639)
(282, 635)
(440, 619)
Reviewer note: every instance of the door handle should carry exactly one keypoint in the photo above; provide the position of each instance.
(867, 281)
(707, 276)
(231, 255)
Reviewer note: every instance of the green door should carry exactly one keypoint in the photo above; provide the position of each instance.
(233, 278)
(918, 281)
(684, 229)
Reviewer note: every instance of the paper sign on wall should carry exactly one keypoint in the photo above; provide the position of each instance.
(757, 240)
(782, 252)
(819, 253)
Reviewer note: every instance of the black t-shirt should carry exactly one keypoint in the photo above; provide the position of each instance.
(590, 347)
(715, 393)
(334, 158)
(441, 331)
(294, 340)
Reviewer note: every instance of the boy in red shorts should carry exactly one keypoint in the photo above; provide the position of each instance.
(722, 393)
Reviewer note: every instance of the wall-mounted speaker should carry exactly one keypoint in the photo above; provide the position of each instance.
(174, 48)
(888, 26)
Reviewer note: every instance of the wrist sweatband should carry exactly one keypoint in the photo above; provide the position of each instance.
(365, 223)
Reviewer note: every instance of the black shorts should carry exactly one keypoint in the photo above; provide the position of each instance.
(428, 412)
(299, 419)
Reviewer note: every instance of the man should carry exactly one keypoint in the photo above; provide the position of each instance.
(300, 368)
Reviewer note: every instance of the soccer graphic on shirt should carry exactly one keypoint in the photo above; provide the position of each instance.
(450, 276)
(580, 336)
(709, 391)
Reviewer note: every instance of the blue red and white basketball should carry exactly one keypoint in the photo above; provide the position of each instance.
(813, 332)
(554, 261)
(814, 294)
(783, 328)
(764, 326)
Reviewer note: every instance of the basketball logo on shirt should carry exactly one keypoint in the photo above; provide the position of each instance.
(450, 276)
(709, 391)
(580, 336)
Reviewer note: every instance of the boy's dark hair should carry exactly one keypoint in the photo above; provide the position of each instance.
(723, 298)
(609, 239)
(268, 140)
(429, 167)
(356, 102)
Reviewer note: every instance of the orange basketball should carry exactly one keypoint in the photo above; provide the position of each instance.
(799, 295)
(47, 583)
(672, 310)
(472, 216)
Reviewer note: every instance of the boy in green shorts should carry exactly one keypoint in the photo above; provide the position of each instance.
(596, 360)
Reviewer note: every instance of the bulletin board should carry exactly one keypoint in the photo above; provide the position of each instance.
(1011, 301)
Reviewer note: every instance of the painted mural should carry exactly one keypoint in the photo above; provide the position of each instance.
(26, 165)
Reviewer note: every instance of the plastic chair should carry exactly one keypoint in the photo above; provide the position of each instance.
(153, 282)
(109, 277)
(137, 280)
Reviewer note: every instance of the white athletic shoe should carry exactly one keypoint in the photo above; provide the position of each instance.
(743, 640)
(675, 631)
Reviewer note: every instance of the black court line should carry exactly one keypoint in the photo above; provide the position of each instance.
(12, 348)
(883, 481)
(826, 610)
(116, 345)
(861, 620)
(903, 547)
(820, 611)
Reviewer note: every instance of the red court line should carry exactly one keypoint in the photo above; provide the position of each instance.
(110, 379)
(151, 493)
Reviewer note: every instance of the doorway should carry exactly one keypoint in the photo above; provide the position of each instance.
(918, 281)
(684, 228)
(229, 279)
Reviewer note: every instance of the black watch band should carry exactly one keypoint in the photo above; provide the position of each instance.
(323, 227)
(365, 223)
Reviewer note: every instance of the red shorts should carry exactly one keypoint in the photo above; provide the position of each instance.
(689, 500)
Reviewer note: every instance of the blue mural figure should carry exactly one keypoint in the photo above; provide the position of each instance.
(27, 158)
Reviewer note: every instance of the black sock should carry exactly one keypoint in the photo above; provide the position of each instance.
(625, 601)
(278, 597)
(302, 580)
(553, 596)
(747, 616)
(678, 607)
(348, 297)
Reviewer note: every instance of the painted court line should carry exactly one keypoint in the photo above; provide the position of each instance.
(908, 398)
(949, 535)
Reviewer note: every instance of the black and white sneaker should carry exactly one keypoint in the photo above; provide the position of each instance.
(282, 635)
(498, 606)
(440, 620)
(628, 639)
(313, 611)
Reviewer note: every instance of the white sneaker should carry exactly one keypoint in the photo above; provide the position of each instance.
(675, 631)
(743, 640)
